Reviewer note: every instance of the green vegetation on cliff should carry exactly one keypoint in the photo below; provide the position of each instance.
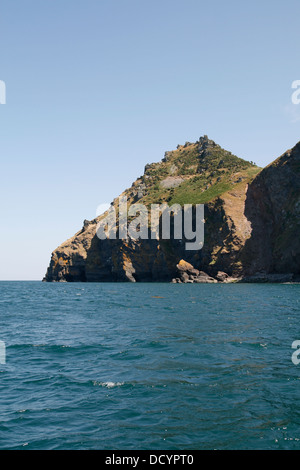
(194, 173)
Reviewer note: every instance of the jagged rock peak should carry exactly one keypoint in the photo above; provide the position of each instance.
(205, 143)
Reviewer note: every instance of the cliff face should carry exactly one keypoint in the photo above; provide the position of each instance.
(251, 221)
(273, 207)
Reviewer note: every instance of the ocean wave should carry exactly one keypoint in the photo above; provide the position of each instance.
(108, 384)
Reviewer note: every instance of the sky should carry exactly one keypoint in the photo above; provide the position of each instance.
(96, 89)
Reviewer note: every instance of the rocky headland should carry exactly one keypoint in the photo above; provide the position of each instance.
(252, 224)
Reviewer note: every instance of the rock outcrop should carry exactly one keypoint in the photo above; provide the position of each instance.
(273, 207)
(252, 219)
(188, 274)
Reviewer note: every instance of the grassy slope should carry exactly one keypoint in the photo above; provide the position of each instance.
(207, 171)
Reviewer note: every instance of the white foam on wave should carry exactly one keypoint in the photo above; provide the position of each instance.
(108, 384)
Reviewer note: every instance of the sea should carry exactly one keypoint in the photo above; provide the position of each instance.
(149, 366)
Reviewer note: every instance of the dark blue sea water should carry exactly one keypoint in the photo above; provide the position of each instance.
(149, 366)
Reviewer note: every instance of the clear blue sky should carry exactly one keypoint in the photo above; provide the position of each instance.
(98, 88)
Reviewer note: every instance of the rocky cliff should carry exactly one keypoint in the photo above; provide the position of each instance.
(251, 223)
(273, 207)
